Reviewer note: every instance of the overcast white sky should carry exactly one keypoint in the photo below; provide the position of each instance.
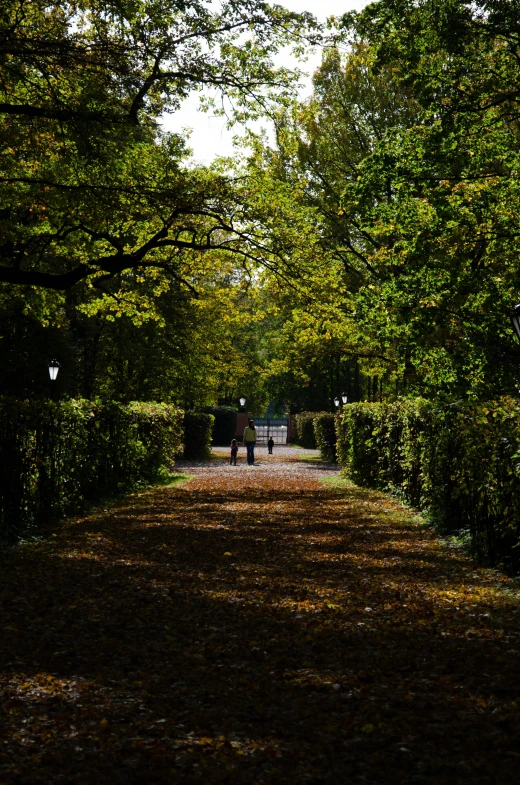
(209, 136)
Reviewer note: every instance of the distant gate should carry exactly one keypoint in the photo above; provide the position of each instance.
(275, 428)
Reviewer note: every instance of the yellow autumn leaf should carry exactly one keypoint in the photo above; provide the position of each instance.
(330, 604)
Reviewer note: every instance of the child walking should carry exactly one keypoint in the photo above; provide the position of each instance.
(234, 451)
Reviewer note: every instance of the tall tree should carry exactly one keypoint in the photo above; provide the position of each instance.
(90, 185)
(446, 252)
(325, 345)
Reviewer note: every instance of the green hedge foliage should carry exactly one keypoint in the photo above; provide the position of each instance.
(225, 426)
(460, 462)
(325, 436)
(198, 428)
(304, 425)
(56, 456)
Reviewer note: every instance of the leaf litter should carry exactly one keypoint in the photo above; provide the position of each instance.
(266, 624)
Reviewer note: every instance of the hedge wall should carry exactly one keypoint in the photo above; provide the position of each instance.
(325, 436)
(304, 426)
(460, 462)
(225, 425)
(198, 428)
(55, 456)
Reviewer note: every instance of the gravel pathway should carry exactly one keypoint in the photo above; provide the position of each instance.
(286, 461)
(255, 626)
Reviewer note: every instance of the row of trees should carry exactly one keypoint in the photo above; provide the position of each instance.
(407, 156)
(115, 253)
(373, 249)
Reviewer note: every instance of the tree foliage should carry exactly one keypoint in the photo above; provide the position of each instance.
(148, 343)
(324, 345)
(372, 249)
(445, 248)
(406, 160)
(92, 187)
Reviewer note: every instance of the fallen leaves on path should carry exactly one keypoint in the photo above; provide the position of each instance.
(255, 626)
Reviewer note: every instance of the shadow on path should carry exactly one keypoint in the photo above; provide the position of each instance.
(255, 634)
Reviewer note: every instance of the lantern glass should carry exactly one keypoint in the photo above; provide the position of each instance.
(515, 320)
(242, 401)
(344, 397)
(336, 401)
(54, 367)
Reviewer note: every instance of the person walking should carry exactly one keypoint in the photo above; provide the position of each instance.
(234, 451)
(270, 445)
(249, 441)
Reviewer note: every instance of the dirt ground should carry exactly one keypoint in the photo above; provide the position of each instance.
(267, 624)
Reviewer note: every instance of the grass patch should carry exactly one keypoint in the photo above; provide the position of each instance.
(385, 506)
(164, 478)
(311, 459)
(339, 482)
(176, 480)
(172, 480)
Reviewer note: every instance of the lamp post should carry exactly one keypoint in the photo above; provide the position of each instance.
(242, 401)
(336, 401)
(53, 367)
(344, 398)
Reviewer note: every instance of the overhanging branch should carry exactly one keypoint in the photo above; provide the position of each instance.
(47, 280)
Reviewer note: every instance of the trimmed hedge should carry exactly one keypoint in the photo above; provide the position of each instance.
(460, 462)
(56, 456)
(325, 436)
(225, 425)
(304, 425)
(198, 428)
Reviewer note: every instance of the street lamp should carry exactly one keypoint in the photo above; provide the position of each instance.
(336, 401)
(242, 401)
(344, 397)
(54, 367)
(515, 320)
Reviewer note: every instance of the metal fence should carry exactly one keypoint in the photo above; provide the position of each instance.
(277, 429)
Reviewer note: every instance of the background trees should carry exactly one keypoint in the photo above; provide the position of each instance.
(103, 224)
(372, 249)
(91, 185)
(447, 259)
(407, 153)
(327, 340)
